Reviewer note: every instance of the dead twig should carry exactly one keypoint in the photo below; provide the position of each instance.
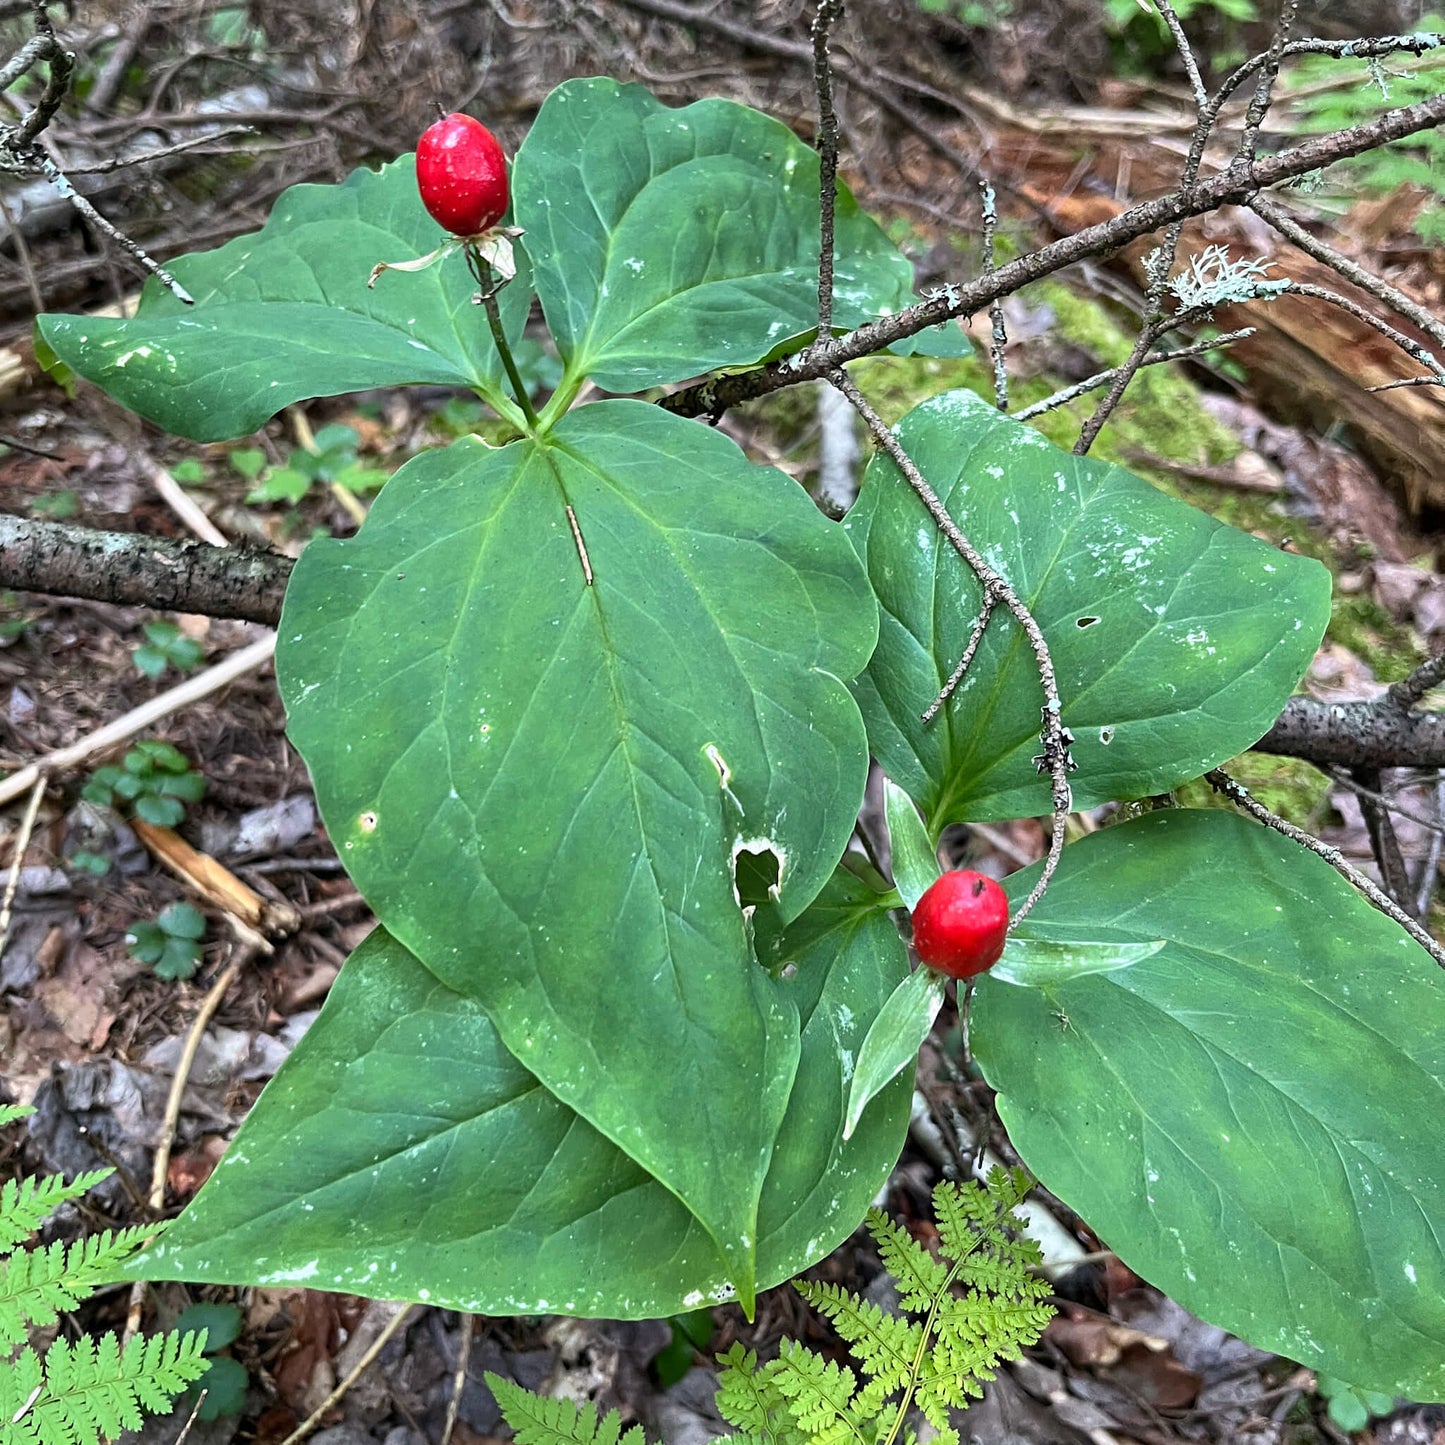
(170, 1121)
(314, 1419)
(459, 1377)
(17, 853)
(248, 659)
(1239, 182)
(1242, 798)
(1056, 758)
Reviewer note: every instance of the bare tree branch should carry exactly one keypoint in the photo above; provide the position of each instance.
(1235, 185)
(1356, 734)
(1241, 798)
(142, 571)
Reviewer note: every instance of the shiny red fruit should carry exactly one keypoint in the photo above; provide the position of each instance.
(960, 924)
(461, 173)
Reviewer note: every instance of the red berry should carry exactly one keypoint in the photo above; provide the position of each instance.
(960, 924)
(461, 173)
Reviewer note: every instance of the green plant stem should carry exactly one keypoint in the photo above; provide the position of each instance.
(494, 319)
(920, 1356)
(487, 278)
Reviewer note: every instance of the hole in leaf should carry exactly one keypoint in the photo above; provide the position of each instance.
(1084, 622)
(1106, 736)
(757, 870)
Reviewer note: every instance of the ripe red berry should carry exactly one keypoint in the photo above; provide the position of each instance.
(461, 173)
(960, 924)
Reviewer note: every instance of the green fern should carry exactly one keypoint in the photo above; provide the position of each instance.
(975, 1307)
(83, 1392)
(536, 1420)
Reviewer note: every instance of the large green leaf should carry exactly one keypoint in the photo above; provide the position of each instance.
(285, 314)
(1252, 1116)
(540, 783)
(669, 242)
(403, 1152)
(1176, 639)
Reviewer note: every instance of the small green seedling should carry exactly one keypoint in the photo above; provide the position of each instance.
(189, 472)
(57, 506)
(1350, 1407)
(170, 942)
(154, 778)
(166, 646)
(84, 861)
(334, 460)
(13, 622)
(225, 1381)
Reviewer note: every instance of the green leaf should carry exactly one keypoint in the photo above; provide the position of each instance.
(1176, 639)
(669, 242)
(894, 1040)
(1348, 1411)
(915, 861)
(337, 437)
(189, 471)
(191, 787)
(159, 812)
(225, 1383)
(402, 1151)
(222, 1324)
(1259, 1100)
(179, 960)
(150, 660)
(147, 941)
(282, 484)
(1040, 963)
(160, 755)
(181, 920)
(585, 759)
(285, 314)
(249, 462)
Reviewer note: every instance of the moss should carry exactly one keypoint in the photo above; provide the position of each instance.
(1291, 787)
(1360, 625)
(1159, 416)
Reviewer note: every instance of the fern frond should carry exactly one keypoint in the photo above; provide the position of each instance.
(1001, 1309)
(1005, 1272)
(748, 1398)
(9, 1113)
(36, 1285)
(539, 1420)
(34, 1291)
(885, 1346)
(26, 1204)
(819, 1394)
(19, 1382)
(920, 1277)
(969, 1218)
(93, 1391)
(93, 1261)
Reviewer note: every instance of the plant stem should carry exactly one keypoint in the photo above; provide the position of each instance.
(487, 280)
